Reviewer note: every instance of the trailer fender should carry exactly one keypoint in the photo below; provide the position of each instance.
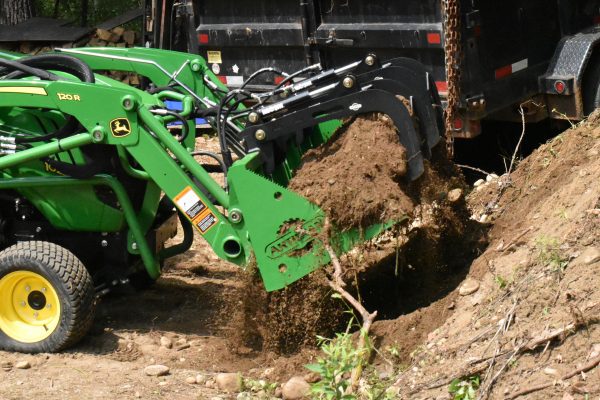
(563, 81)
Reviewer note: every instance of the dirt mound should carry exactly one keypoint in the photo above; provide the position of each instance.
(526, 316)
(355, 178)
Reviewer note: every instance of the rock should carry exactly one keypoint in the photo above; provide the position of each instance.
(455, 195)
(138, 395)
(479, 182)
(23, 365)
(595, 351)
(6, 365)
(295, 388)
(491, 177)
(166, 342)
(156, 370)
(200, 379)
(550, 371)
(469, 286)
(182, 346)
(163, 383)
(278, 393)
(567, 396)
(312, 377)
(190, 380)
(590, 256)
(229, 382)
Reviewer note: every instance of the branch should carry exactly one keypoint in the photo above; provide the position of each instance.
(337, 283)
(590, 365)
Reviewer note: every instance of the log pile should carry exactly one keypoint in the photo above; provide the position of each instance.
(115, 37)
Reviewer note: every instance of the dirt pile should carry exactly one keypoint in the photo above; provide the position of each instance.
(355, 178)
(525, 321)
(358, 179)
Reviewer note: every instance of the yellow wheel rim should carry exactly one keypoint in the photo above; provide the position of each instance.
(29, 307)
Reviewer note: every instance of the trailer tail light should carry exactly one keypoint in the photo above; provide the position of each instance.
(560, 87)
(458, 124)
(442, 86)
(434, 38)
(278, 79)
(203, 38)
(223, 79)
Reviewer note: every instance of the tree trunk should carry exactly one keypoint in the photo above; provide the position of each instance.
(13, 12)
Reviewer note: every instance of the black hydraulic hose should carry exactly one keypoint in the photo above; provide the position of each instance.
(213, 156)
(60, 62)
(17, 66)
(221, 125)
(260, 72)
(158, 89)
(67, 129)
(185, 128)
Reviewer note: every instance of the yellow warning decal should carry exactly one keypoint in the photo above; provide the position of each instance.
(195, 209)
(214, 57)
(24, 90)
(205, 222)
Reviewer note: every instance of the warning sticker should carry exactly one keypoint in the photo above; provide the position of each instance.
(214, 57)
(190, 203)
(206, 222)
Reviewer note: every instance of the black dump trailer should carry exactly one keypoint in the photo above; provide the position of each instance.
(533, 55)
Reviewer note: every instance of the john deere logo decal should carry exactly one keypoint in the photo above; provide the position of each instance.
(120, 127)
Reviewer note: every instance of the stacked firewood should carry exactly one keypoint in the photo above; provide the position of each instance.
(116, 37)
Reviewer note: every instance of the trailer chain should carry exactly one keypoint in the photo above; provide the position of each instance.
(453, 56)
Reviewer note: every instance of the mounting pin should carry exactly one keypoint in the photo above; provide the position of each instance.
(260, 134)
(253, 117)
(235, 216)
(348, 82)
(370, 60)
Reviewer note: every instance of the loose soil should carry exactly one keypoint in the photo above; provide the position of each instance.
(538, 271)
(355, 178)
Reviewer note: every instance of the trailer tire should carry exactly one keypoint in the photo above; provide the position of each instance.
(591, 85)
(47, 298)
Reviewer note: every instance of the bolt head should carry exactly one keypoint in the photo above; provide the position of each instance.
(235, 216)
(370, 60)
(253, 117)
(134, 246)
(348, 82)
(104, 243)
(260, 134)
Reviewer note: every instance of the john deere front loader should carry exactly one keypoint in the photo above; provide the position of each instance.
(93, 180)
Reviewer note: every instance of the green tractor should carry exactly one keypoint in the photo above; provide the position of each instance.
(93, 182)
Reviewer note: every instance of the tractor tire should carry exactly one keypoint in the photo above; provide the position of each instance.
(591, 85)
(47, 298)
